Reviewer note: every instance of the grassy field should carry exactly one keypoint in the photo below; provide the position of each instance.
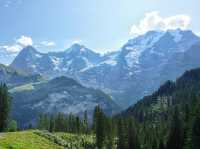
(25, 140)
(44, 140)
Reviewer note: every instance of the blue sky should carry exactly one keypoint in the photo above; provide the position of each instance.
(102, 25)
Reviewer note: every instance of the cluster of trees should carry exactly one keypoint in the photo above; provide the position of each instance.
(6, 124)
(180, 131)
(63, 123)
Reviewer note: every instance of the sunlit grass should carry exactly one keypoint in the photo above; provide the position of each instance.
(25, 140)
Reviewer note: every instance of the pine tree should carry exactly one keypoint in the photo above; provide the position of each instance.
(196, 133)
(175, 139)
(109, 133)
(85, 123)
(122, 138)
(132, 136)
(51, 124)
(78, 125)
(5, 106)
(100, 128)
(195, 139)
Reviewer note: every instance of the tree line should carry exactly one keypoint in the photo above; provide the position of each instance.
(6, 123)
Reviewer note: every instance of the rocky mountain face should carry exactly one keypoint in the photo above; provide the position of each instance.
(137, 69)
(13, 78)
(61, 94)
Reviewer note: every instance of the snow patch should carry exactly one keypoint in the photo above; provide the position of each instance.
(132, 58)
(177, 35)
(38, 55)
(56, 62)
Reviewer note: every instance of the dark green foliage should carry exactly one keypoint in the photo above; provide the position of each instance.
(161, 145)
(175, 139)
(62, 123)
(196, 133)
(100, 121)
(133, 142)
(122, 137)
(195, 130)
(170, 114)
(51, 124)
(5, 105)
(85, 123)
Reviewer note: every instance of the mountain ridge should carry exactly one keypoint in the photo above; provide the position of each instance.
(138, 64)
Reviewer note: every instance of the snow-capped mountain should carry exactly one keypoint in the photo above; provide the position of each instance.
(61, 94)
(137, 69)
(68, 62)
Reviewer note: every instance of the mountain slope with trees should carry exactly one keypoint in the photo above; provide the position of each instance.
(61, 94)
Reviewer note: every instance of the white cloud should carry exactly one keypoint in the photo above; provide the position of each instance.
(11, 48)
(24, 41)
(48, 43)
(19, 44)
(153, 21)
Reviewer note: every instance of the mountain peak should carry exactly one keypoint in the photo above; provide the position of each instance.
(77, 48)
(29, 50)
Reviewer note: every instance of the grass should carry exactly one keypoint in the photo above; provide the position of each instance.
(26, 140)
(36, 139)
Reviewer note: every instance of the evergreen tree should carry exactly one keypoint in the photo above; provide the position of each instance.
(196, 133)
(195, 139)
(122, 138)
(51, 124)
(85, 123)
(175, 139)
(109, 132)
(78, 125)
(5, 106)
(132, 136)
(100, 128)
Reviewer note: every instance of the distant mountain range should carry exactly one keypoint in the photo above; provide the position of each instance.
(137, 69)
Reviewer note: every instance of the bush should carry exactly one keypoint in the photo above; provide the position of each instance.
(12, 126)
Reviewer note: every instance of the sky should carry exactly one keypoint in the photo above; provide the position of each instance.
(101, 25)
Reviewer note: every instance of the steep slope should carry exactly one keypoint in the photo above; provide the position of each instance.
(182, 92)
(12, 77)
(58, 95)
